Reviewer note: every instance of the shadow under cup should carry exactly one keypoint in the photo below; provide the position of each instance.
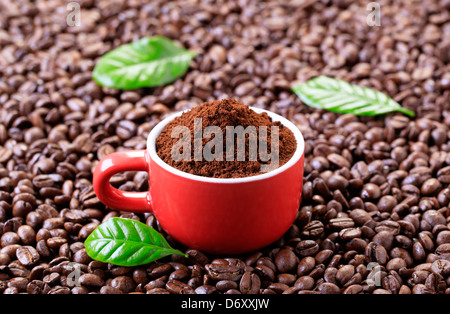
(214, 215)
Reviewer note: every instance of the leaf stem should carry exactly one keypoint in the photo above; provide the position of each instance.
(406, 111)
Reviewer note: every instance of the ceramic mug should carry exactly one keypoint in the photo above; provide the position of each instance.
(214, 215)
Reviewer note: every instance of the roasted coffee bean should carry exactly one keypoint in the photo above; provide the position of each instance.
(249, 283)
(305, 283)
(43, 180)
(56, 242)
(180, 274)
(27, 255)
(374, 190)
(123, 283)
(390, 283)
(158, 283)
(387, 203)
(278, 287)
(341, 223)
(265, 273)
(441, 267)
(21, 208)
(323, 256)
(435, 283)
(126, 129)
(199, 257)
(91, 280)
(403, 241)
(345, 273)
(305, 266)
(396, 264)
(443, 237)
(370, 191)
(206, 289)
(52, 279)
(224, 271)
(224, 285)
(328, 288)
(178, 287)
(109, 290)
(322, 188)
(9, 238)
(307, 248)
(37, 287)
(433, 217)
(313, 229)
(384, 238)
(377, 253)
(358, 216)
(421, 289)
(338, 160)
(286, 260)
(418, 251)
(430, 187)
(26, 234)
(157, 291)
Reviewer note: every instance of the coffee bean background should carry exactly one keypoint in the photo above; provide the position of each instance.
(374, 216)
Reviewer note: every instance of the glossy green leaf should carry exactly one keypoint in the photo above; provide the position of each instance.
(339, 96)
(147, 62)
(127, 242)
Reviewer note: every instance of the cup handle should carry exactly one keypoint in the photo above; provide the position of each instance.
(133, 160)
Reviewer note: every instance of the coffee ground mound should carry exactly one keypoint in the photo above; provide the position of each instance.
(223, 113)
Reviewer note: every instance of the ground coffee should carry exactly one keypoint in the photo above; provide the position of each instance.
(225, 113)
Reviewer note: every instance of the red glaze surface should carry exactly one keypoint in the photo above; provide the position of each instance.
(226, 217)
(134, 160)
(220, 216)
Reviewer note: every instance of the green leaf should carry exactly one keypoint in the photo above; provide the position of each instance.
(127, 242)
(339, 96)
(147, 62)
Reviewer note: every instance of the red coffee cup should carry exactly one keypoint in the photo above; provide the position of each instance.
(214, 215)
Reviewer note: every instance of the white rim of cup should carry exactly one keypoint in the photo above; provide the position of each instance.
(151, 147)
